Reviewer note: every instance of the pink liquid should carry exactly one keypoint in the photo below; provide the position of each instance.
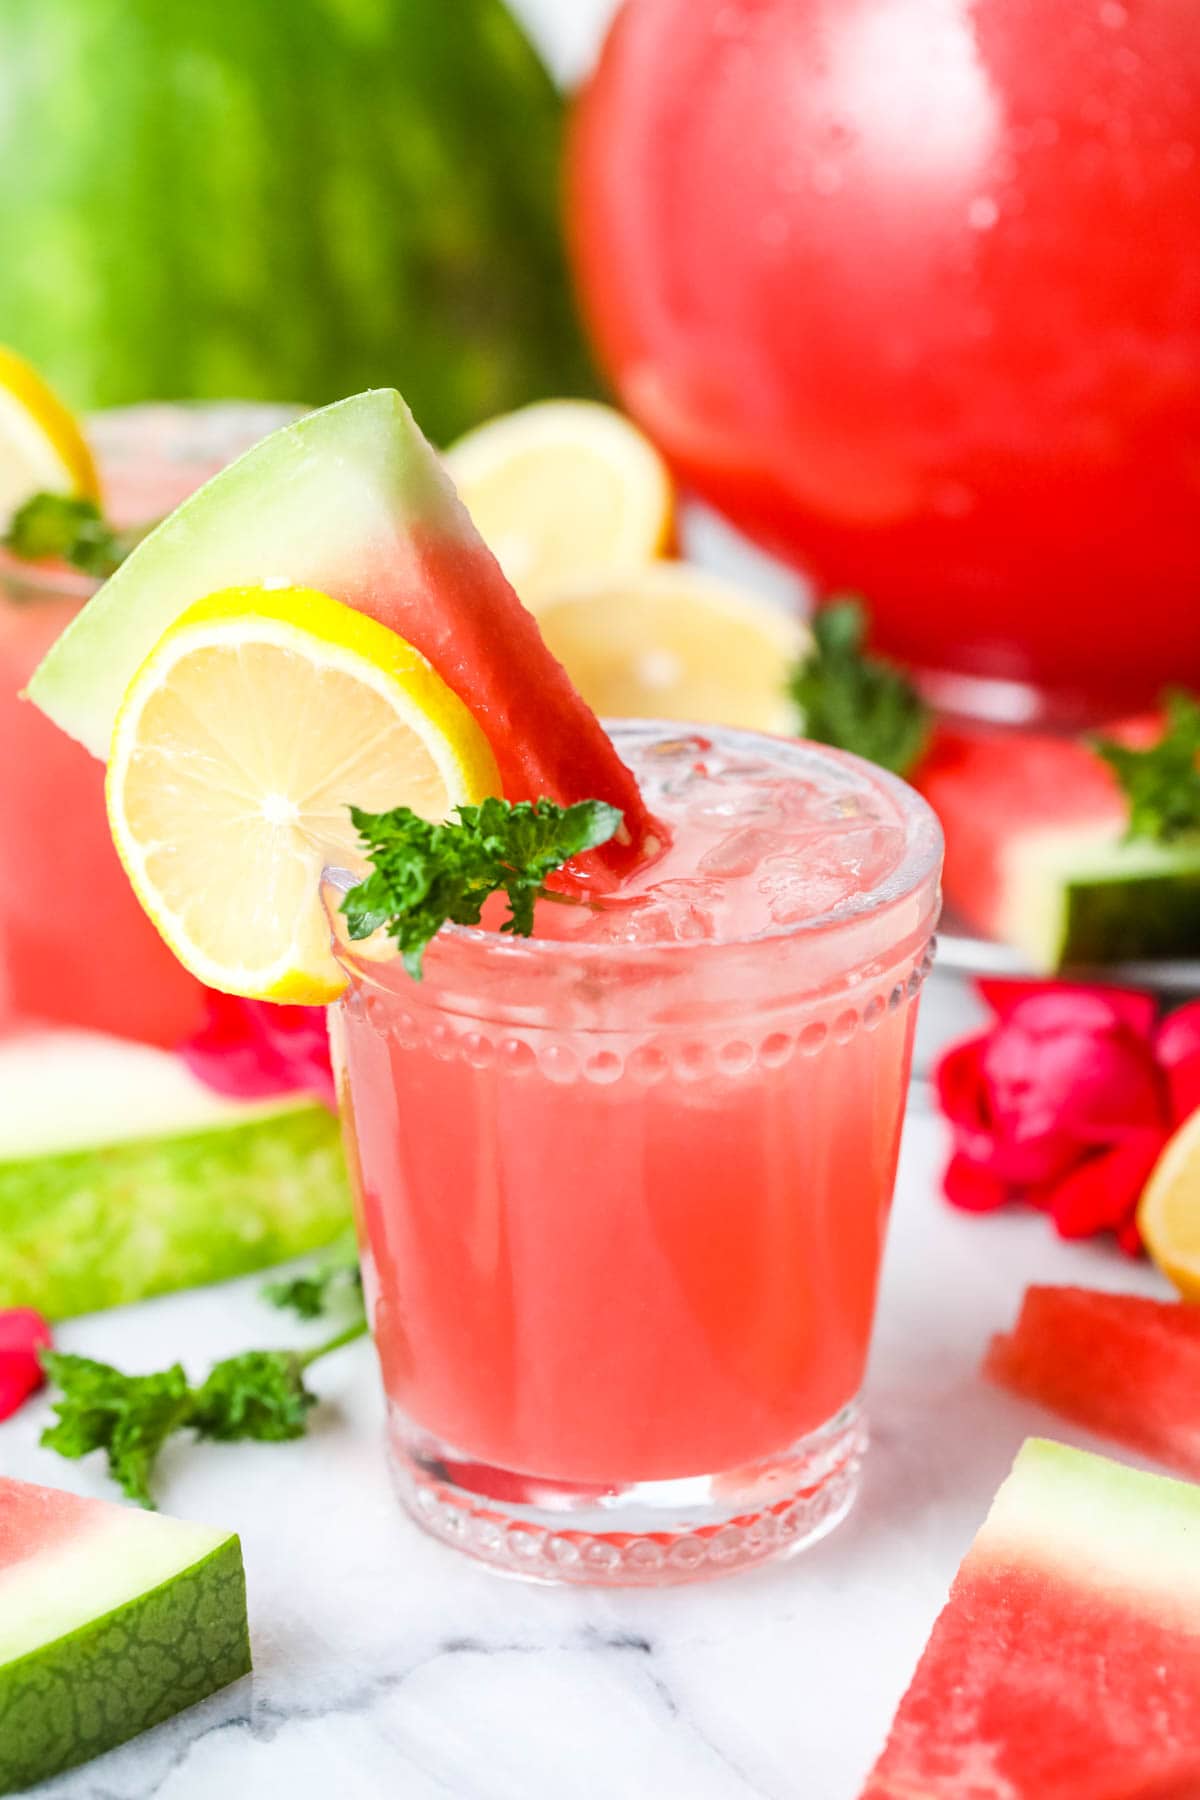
(75, 946)
(624, 1187)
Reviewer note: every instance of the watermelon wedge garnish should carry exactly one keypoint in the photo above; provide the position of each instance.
(111, 1619)
(1122, 1365)
(352, 500)
(1066, 1663)
(1036, 854)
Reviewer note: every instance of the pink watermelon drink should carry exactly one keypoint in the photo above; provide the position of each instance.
(62, 888)
(623, 1186)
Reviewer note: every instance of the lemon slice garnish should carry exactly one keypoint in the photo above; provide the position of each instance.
(253, 723)
(42, 448)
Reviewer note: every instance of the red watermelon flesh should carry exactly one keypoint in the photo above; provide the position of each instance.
(989, 786)
(1121, 1365)
(1066, 1662)
(455, 604)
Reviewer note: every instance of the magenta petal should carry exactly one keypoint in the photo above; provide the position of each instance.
(1129, 1237)
(1074, 1003)
(973, 1189)
(960, 1089)
(251, 1048)
(1103, 1192)
(1178, 1050)
(23, 1333)
(23, 1329)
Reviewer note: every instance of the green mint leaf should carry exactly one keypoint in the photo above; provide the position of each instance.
(259, 1394)
(311, 1293)
(129, 1417)
(424, 875)
(856, 701)
(1161, 782)
(71, 529)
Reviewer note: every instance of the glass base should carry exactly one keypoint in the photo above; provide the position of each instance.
(650, 1534)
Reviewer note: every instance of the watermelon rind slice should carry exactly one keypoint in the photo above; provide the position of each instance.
(111, 1620)
(1066, 1662)
(328, 495)
(1085, 899)
(122, 1175)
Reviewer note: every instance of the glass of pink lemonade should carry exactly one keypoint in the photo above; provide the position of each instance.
(623, 1186)
(62, 888)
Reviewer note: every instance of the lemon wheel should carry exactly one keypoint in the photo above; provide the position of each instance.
(669, 641)
(255, 722)
(561, 489)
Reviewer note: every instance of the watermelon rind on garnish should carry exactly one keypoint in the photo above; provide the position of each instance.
(353, 502)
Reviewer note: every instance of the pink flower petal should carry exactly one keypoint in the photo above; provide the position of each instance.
(1103, 1192)
(23, 1333)
(1178, 1050)
(972, 1188)
(1072, 1002)
(961, 1092)
(250, 1048)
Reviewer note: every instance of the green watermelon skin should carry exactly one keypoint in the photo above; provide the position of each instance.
(1066, 1662)
(284, 203)
(162, 1648)
(104, 1227)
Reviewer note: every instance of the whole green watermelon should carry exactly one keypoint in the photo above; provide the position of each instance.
(283, 199)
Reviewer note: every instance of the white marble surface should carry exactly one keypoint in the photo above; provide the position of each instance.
(386, 1666)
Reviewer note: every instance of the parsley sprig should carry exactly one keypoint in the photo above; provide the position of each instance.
(259, 1394)
(1162, 781)
(71, 529)
(425, 875)
(856, 701)
(311, 1293)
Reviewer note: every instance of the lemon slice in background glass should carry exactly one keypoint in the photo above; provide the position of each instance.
(561, 489)
(42, 448)
(668, 641)
(259, 716)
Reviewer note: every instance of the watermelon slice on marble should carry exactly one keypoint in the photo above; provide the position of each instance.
(111, 1620)
(1035, 851)
(1066, 1663)
(1121, 1365)
(353, 501)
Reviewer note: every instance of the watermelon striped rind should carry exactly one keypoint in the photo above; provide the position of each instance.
(108, 1625)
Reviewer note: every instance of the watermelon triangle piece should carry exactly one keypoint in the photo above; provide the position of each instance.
(1121, 1365)
(353, 501)
(137, 1614)
(1066, 1663)
(1036, 849)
